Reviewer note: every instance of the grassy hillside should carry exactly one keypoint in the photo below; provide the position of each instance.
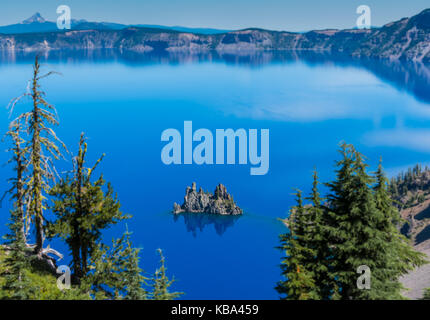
(43, 282)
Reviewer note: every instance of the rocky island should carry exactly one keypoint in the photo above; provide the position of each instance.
(221, 202)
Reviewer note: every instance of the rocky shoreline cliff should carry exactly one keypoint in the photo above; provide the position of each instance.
(221, 202)
(406, 39)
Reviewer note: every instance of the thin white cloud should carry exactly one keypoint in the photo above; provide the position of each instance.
(412, 139)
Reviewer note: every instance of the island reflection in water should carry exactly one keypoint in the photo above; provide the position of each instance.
(412, 76)
(197, 222)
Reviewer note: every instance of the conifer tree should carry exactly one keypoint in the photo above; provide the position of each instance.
(134, 281)
(161, 283)
(358, 226)
(351, 227)
(18, 187)
(115, 272)
(400, 256)
(360, 229)
(319, 262)
(298, 282)
(83, 208)
(42, 148)
(16, 283)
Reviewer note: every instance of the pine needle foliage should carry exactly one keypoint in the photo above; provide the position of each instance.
(161, 283)
(83, 207)
(115, 272)
(356, 226)
(299, 283)
(16, 284)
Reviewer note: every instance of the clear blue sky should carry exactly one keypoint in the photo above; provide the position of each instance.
(294, 15)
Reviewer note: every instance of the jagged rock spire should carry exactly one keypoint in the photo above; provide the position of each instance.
(221, 202)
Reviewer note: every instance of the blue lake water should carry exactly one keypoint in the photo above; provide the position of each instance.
(310, 103)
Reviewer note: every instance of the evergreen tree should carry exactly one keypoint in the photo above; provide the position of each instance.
(357, 227)
(16, 283)
(319, 262)
(351, 227)
(18, 184)
(400, 256)
(115, 272)
(298, 282)
(42, 146)
(361, 230)
(83, 210)
(161, 283)
(134, 281)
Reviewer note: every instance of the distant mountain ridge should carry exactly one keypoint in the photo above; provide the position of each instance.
(406, 39)
(36, 23)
